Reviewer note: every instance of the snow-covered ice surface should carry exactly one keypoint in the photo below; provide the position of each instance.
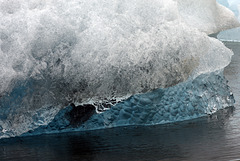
(232, 34)
(54, 53)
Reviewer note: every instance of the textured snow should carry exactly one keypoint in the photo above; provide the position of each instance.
(54, 53)
(232, 34)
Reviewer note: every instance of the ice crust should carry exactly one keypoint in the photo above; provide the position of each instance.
(54, 53)
(232, 34)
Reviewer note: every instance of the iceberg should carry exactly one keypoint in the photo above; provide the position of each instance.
(59, 56)
(232, 34)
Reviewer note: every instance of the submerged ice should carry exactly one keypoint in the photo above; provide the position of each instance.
(102, 52)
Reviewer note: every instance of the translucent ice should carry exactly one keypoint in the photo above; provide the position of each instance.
(54, 53)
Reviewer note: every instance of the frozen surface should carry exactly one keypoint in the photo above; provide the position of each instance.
(54, 53)
(232, 34)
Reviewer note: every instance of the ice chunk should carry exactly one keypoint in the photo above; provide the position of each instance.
(232, 34)
(54, 53)
(211, 18)
(231, 4)
(89, 46)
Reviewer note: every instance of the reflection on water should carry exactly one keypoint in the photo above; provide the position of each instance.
(184, 140)
(215, 137)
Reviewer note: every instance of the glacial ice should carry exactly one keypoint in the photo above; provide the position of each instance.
(231, 34)
(54, 53)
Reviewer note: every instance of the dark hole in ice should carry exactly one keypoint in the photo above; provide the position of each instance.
(80, 114)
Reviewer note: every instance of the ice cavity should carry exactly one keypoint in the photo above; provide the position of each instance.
(54, 53)
(232, 34)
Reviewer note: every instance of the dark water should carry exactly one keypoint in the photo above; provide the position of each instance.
(209, 138)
